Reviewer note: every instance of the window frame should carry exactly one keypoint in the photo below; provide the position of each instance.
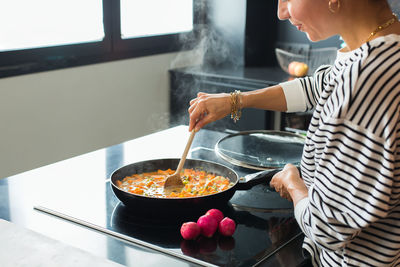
(112, 47)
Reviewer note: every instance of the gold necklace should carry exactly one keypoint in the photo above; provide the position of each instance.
(382, 27)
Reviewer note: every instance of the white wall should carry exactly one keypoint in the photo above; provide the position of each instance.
(50, 116)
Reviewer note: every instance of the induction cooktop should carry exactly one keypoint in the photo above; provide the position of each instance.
(265, 223)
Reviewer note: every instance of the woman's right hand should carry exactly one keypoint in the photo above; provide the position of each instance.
(207, 108)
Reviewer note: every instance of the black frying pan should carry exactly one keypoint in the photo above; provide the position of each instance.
(154, 205)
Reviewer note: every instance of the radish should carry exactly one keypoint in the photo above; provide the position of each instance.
(216, 213)
(227, 227)
(208, 225)
(190, 230)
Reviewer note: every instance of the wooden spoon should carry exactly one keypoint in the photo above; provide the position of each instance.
(174, 183)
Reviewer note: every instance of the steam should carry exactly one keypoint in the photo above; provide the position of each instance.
(209, 46)
(157, 122)
(207, 49)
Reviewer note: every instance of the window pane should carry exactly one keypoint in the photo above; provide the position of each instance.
(155, 17)
(38, 23)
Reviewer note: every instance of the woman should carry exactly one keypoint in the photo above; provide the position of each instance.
(347, 200)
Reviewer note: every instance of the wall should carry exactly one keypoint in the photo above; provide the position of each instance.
(50, 116)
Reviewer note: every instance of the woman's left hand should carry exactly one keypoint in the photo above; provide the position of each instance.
(289, 184)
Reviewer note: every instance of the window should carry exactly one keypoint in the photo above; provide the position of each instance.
(49, 34)
(141, 18)
(41, 23)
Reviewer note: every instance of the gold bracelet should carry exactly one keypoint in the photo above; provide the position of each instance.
(236, 107)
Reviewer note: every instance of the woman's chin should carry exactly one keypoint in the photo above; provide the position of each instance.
(314, 38)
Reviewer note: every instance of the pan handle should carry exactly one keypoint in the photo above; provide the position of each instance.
(253, 179)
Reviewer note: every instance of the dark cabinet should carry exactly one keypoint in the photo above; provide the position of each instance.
(186, 83)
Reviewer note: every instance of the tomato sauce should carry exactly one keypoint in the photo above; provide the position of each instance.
(196, 183)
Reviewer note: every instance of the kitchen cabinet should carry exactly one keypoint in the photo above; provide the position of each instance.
(185, 83)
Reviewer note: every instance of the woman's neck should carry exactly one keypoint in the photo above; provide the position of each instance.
(358, 25)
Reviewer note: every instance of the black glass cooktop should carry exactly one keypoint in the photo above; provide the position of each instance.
(265, 222)
(261, 149)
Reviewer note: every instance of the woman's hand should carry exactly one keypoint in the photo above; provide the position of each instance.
(207, 108)
(289, 184)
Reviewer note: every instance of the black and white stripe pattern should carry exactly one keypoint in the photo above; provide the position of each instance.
(351, 159)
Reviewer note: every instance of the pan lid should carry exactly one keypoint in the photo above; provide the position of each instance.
(261, 149)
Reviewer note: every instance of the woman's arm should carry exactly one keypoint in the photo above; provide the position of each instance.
(292, 96)
(270, 98)
(207, 108)
(289, 184)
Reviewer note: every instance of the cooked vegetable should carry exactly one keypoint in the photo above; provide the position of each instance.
(196, 183)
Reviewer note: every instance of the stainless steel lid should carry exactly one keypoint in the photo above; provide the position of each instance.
(261, 149)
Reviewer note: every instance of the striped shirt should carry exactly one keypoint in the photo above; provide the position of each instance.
(351, 157)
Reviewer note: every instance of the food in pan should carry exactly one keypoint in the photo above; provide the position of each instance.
(196, 183)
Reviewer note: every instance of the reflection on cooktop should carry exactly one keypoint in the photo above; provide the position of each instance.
(257, 236)
(259, 198)
(157, 231)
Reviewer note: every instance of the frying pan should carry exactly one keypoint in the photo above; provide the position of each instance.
(170, 206)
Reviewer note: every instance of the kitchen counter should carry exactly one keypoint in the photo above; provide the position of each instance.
(71, 202)
(257, 76)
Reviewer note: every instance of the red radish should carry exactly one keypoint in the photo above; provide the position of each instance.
(190, 230)
(208, 225)
(216, 213)
(227, 227)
